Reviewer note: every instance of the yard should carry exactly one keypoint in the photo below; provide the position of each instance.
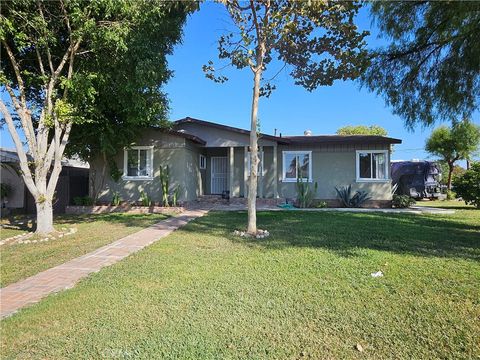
(304, 292)
(93, 231)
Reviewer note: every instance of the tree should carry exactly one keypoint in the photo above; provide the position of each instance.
(430, 71)
(49, 78)
(457, 171)
(129, 97)
(467, 186)
(452, 144)
(362, 130)
(318, 41)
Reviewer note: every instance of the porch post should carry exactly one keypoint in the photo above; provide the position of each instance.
(275, 172)
(231, 158)
(260, 192)
(245, 172)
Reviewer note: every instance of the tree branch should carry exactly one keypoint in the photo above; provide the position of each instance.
(26, 173)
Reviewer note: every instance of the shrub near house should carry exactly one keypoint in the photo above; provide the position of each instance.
(467, 186)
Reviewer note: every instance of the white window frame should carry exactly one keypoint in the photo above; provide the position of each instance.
(202, 160)
(310, 168)
(125, 163)
(249, 163)
(357, 165)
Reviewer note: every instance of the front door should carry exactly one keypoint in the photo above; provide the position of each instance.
(219, 174)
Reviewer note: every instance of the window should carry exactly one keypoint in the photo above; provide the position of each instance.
(372, 165)
(297, 165)
(138, 162)
(260, 163)
(203, 162)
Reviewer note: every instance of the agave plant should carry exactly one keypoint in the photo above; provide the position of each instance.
(345, 195)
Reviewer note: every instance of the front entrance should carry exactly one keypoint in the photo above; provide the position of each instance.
(219, 172)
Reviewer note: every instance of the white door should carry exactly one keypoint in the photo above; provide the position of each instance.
(219, 174)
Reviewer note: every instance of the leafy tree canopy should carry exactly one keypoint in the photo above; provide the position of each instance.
(362, 130)
(431, 69)
(459, 142)
(128, 73)
(467, 185)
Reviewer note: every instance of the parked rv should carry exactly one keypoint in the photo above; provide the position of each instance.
(417, 179)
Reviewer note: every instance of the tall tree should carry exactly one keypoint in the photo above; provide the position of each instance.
(128, 82)
(316, 40)
(362, 130)
(49, 81)
(452, 144)
(431, 69)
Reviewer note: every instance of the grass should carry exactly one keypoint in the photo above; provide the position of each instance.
(20, 261)
(304, 292)
(447, 204)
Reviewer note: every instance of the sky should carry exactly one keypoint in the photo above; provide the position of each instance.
(290, 109)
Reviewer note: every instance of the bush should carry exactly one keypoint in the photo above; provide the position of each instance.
(321, 204)
(116, 198)
(402, 201)
(467, 186)
(451, 195)
(144, 199)
(345, 195)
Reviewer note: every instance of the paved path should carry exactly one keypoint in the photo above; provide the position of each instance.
(29, 291)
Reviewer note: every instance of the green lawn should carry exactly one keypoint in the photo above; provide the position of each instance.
(22, 260)
(305, 292)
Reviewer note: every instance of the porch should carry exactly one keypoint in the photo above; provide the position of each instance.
(225, 170)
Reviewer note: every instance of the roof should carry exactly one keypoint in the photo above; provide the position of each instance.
(341, 139)
(189, 120)
(11, 156)
(297, 140)
(188, 136)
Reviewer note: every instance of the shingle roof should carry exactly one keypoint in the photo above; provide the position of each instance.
(226, 127)
(298, 140)
(343, 139)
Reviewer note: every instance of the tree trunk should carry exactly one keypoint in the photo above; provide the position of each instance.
(450, 172)
(252, 191)
(44, 216)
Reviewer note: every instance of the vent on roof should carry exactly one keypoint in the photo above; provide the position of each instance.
(307, 133)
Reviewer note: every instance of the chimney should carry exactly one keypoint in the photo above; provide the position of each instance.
(307, 133)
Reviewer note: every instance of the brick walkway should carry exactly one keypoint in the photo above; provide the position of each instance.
(29, 291)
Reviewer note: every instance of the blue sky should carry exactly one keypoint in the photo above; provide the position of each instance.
(290, 109)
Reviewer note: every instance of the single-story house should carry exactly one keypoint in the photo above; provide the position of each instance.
(206, 158)
(72, 182)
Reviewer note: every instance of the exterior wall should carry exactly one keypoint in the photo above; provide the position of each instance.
(335, 166)
(179, 154)
(216, 137)
(332, 165)
(17, 197)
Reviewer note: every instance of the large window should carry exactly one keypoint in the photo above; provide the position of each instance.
(372, 165)
(138, 162)
(297, 165)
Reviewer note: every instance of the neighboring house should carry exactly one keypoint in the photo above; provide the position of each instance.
(72, 182)
(206, 158)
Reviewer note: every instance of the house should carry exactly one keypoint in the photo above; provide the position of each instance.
(206, 158)
(72, 182)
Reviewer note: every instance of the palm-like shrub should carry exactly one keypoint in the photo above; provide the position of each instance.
(345, 195)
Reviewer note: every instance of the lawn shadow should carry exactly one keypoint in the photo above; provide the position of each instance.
(126, 219)
(345, 233)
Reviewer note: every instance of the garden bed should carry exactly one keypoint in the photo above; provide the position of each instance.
(132, 209)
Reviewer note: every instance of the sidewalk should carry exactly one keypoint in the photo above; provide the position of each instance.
(31, 290)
